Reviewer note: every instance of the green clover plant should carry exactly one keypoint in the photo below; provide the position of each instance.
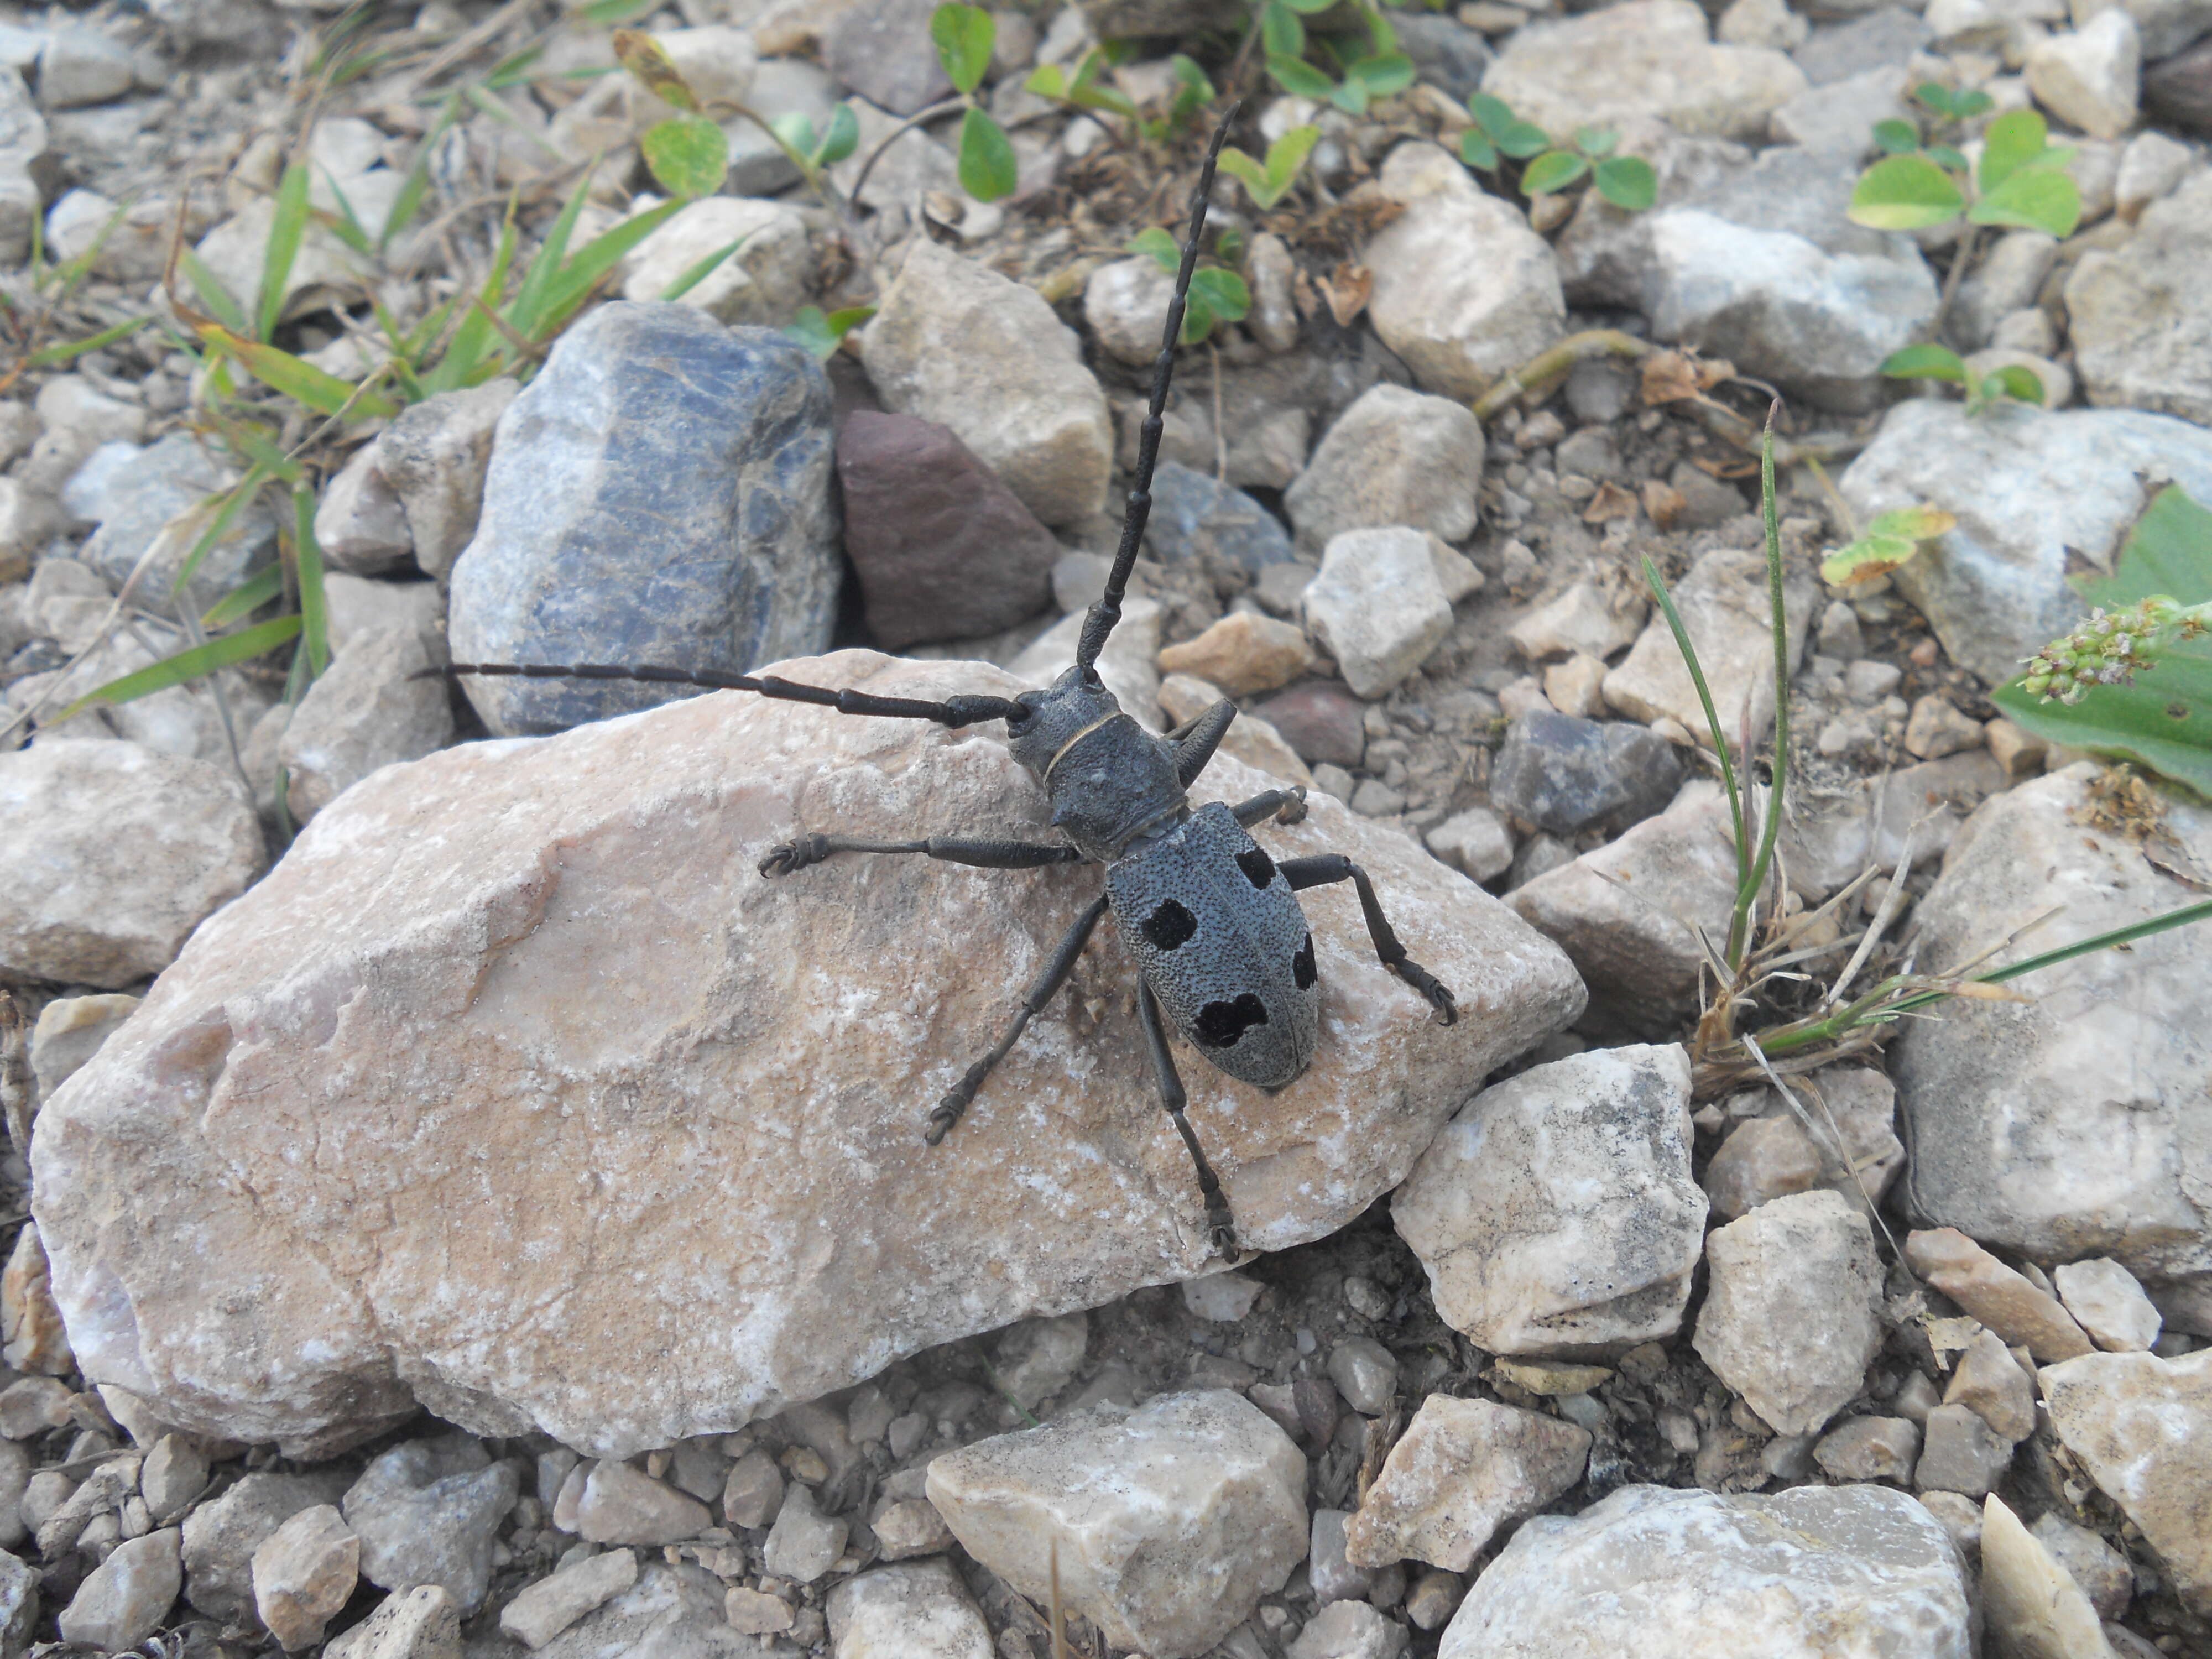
(1498, 136)
(1934, 362)
(1217, 296)
(1268, 181)
(1365, 66)
(964, 36)
(2020, 181)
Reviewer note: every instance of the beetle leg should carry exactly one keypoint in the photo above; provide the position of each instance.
(792, 855)
(1040, 993)
(1284, 805)
(1325, 867)
(1219, 1224)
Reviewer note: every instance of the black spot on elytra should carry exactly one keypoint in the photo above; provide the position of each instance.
(1220, 1024)
(1168, 926)
(1259, 869)
(1301, 965)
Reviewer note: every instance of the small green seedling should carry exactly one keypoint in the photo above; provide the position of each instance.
(2135, 678)
(1891, 540)
(1085, 89)
(1364, 68)
(1498, 135)
(2020, 181)
(1216, 295)
(964, 36)
(688, 156)
(1934, 362)
(1267, 182)
(815, 153)
(822, 334)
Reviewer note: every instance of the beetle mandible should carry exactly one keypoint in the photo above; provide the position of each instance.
(1223, 951)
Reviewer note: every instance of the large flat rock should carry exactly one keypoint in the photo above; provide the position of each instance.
(515, 1091)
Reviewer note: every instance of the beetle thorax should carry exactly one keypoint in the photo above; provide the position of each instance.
(1110, 780)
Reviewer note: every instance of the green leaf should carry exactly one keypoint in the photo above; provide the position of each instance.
(46, 356)
(212, 294)
(688, 157)
(1350, 96)
(1223, 291)
(1934, 96)
(1627, 182)
(843, 138)
(1047, 80)
(2169, 551)
(822, 335)
(1492, 114)
(700, 270)
(1310, 8)
(603, 13)
(1921, 523)
(285, 230)
(1156, 242)
(249, 596)
(1555, 169)
(1866, 558)
(409, 202)
(1925, 362)
(1949, 158)
(642, 55)
(964, 36)
(188, 665)
(1896, 138)
(298, 379)
(1967, 105)
(1281, 34)
(1476, 149)
(795, 129)
(988, 170)
(526, 313)
(1904, 192)
(2034, 198)
(307, 555)
(2013, 139)
(513, 69)
(2017, 381)
(1595, 142)
(1296, 76)
(1522, 139)
(1198, 319)
(1392, 72)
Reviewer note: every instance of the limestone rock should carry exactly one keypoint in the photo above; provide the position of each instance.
(1395, 457)
(1171, 1521)
(1806, 1265)
(1464, 290)
(798, 1031)
(1556, 1214)
(1581, 619)
(2032, 491)
(1561, 773)
(944, 549)
(669, 1610)
(1244, 655)
(2141, 1426)
(661, 494)
(124, 1600)
(2139, 319)
(116, 853)
(1125, 303)
(1669, 1574)
(1960, 1453)
(68, 1033)
(1195, 517)
(2009, 1304)
(2090, 78)
(954, 341)
(1723, 604)
(1988, 1382)
(416, 1623)
(426, 1511)
(360, 523)
(303, 1573)
(2034, 1608)
(1462, 1469)
(764, 282)
(2105, 1576)
(618, 1504)
(2026, 1135)
(1649, 58)
(31, 1325)
(368, 710)
(1129, 665)
(1870, 1449)
(804, 1544)
(915, 1610)
(158, 499)
(1378, 606)
(1877, 821)
(1763, 268)
(19, 1605)
(1351, 1630)
(435, 456)
(2109, 1302)
(551, 1605)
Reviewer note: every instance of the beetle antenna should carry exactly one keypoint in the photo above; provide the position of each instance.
(1107, 612)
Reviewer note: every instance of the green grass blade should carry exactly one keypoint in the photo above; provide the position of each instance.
(2182, 917)
(248, 597)
(475, 335)
(409, 202)
(285, 232)
(300, 379)
(221, 305)
(218, 526)
(188, 665)
(594, 261)
(702, 269)
(528, 310)
(1666, 600)
(307, 554)
(1778, 615)
(49, 356)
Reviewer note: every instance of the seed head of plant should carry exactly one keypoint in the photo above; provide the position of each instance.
(2110, 648)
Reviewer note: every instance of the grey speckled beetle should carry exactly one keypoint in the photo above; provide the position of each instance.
(1223, 946)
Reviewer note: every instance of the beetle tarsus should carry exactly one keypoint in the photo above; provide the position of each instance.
(787, 857)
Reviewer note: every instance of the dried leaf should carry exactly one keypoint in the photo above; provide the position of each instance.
(1669, 377)
(1664, 503)
(1348, 289)
(1610, 502)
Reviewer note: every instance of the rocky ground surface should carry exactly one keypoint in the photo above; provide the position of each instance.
(471, 1211)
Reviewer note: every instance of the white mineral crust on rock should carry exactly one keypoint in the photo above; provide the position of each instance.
(516, 1092)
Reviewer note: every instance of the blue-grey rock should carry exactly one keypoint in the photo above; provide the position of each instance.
(1882, 39)
(427, 1512)
(1193, 518)
(661, 494)
(1446, 53)
(1563, 774)
(169, 478)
